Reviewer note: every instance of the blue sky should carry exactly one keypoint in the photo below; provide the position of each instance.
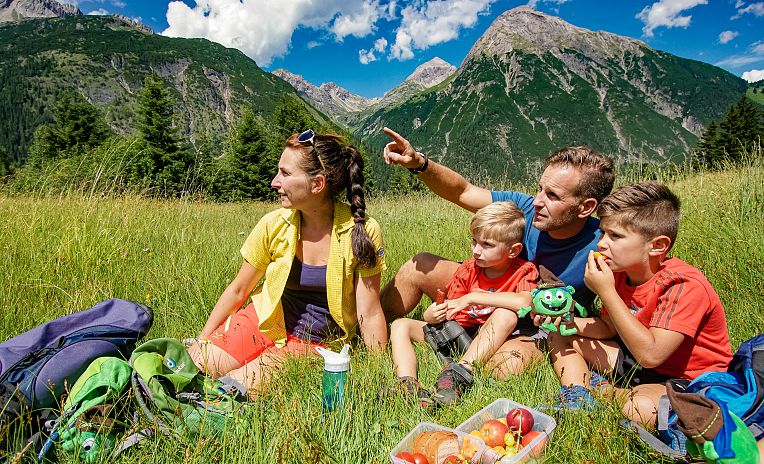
(370, 46)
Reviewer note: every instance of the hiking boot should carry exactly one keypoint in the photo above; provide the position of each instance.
(574, 398)
(453, 381)
(415, 389)
(408, 386)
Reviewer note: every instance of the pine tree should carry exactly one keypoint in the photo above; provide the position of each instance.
(740, 129)
(77, 128)
(166, 161)
(291, 117)
(709, 153)
(5, 167)
(251, 158)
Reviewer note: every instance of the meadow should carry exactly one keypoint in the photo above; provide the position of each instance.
(64, 253)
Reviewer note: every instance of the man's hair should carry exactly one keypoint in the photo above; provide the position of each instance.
(502, 221)
(597, 173)
(649, 208)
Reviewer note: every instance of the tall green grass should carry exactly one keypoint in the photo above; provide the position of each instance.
(60, 254)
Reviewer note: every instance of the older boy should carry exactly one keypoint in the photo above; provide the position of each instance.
(663, 316)
(495, 278)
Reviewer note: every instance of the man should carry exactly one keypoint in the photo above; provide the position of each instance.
(559, 232)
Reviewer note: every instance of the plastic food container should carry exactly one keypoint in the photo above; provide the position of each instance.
(498, 409)
(408, 442)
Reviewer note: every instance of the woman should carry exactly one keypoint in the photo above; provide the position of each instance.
(321, 259)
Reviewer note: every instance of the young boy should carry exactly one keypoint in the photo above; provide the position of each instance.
(663, 316)
(495, 278)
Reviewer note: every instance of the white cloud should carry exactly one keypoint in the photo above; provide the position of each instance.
(756, 9)
(667, 13)
(754, 75)
(727, 36)
(262, 29)
(756, 55)
(312, 44)
(426, 23)
(359, 23)
(367, 56)
(99, 12)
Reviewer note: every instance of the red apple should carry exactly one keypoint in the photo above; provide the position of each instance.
(520, 420)
(537, 448)
(492, 432)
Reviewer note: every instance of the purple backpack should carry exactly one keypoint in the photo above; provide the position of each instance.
(41, 363)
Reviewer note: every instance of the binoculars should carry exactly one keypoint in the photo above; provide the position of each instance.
(448, 339)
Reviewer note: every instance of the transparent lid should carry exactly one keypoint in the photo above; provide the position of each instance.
(335, 362)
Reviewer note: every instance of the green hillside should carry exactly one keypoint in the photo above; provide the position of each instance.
(106, 60)
(502, 114)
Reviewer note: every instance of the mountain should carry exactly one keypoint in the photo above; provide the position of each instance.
(424, 76)
(106, 59)
(15, 10)
(346, 107)
(533, 83)
(329, 98)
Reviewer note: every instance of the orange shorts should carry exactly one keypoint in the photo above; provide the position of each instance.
(240, 336)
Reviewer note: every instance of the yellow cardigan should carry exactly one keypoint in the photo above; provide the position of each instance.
(271, 246)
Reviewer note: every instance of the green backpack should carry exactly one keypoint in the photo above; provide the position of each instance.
(96, 411)
(175, 397)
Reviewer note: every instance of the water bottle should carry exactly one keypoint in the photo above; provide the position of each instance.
(336, 367)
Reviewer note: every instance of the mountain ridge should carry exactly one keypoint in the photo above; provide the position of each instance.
(533, 83)
(345, 106)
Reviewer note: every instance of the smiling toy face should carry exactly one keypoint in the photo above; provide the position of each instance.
(554, 301)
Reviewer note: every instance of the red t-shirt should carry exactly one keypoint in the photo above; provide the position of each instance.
(520, 277)
(680, 298)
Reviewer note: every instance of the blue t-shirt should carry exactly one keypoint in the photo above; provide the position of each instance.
(566, 258)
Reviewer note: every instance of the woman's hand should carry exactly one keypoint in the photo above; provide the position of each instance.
(598, 276)
(435, 313)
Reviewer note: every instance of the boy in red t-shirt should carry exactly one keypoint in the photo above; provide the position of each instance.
(486, 291)
(661, 318)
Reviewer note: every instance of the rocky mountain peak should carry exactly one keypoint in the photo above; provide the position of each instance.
(15, 10)
(529, 30)
(431, 73)
(328, 97)
(134, 23)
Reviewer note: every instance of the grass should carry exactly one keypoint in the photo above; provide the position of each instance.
(65, 253)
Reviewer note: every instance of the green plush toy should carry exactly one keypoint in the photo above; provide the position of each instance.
(554, 299)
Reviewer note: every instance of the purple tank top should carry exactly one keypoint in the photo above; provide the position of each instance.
(305, 304)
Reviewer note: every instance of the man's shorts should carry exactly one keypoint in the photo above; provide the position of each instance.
(240, 336)
(628, 373)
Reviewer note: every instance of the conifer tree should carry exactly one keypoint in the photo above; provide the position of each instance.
(740, 129)
(290, 117)
(77, 128)
(709, 153)
(166, 161)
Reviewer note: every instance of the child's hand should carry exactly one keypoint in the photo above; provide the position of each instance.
(598, 276)
(435, 313)
(538, 319)
(456, 305)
